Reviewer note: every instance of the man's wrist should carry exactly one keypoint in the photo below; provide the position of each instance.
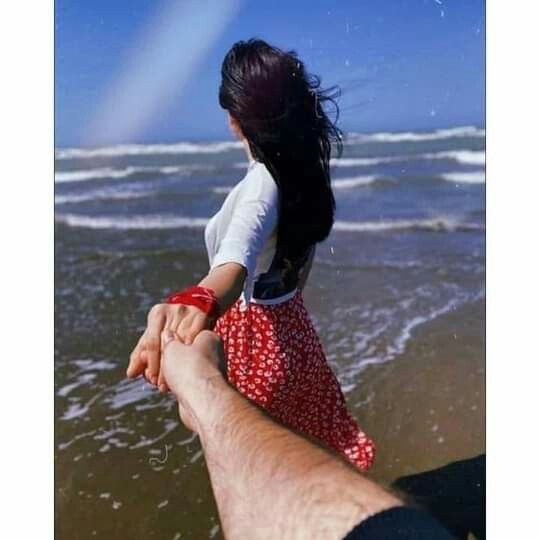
(206, 398)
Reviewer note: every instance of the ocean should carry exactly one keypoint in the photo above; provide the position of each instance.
(396, 293)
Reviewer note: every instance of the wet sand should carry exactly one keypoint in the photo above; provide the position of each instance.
(426, 408)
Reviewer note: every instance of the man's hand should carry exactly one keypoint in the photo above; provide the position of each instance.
(185, 321)
(191, 370)
(268, 481)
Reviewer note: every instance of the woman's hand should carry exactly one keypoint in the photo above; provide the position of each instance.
(184, 321)
(226, 281)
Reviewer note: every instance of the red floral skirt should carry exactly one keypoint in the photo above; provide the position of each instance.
(275, 358)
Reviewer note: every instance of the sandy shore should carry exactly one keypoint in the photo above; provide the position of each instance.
(427, 408)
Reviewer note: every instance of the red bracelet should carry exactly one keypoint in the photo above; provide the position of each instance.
(200, 297)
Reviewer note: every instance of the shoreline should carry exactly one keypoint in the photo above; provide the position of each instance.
(426, 408)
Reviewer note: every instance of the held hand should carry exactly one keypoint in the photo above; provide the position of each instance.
(185, 321)
(189, 372)
(192, 322)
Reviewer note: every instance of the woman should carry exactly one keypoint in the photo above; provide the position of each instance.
(260, 246)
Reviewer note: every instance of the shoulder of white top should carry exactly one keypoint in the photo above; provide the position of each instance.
(258, 176)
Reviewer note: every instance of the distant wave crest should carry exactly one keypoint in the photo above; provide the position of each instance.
(356, 181)
(132, 222)
(466, 157)
(365, 161)
(147, 149)
(469, 177)
(225, 146)
(442, 224)
(222, 190)
(102, 194)
(81, 175)
(412, 136)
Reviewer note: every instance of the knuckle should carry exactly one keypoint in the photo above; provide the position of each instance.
(152, 344)
(156, 310)
(182, 323)
(182, 334)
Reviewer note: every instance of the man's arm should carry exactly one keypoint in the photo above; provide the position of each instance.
(274, 483)
(268, 482)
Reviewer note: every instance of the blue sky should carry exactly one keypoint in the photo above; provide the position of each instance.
(121, 75)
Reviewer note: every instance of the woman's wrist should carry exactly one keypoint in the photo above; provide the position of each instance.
(202, 298)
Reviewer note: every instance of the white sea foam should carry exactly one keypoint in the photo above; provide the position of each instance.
(141, 222)
(441, 224)
(222, 189)
(132, 222)
(409, 136)
(467, 157)
(404, 336)
(352, 182)
(349, 162)
(225, 146)
(397, 326)
(148, 149)
(81, 175)
(80, 381)
(362, 162)
(470, 177)
(101, 194)
(383, 332)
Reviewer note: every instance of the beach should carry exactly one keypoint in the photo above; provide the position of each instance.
(396, 294)
(428, 409)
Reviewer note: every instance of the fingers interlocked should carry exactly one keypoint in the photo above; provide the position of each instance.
(184, 322)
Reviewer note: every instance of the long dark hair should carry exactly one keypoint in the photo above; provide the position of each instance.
(280, 109)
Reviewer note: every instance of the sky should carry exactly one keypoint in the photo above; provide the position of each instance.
(140, 71)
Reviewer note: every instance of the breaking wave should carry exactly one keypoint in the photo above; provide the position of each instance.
(442, 224)
(226, 146)
(103, 194)
(411, 136)
(147, 149)
(356, 181)
(466, 157)
(108, 172)
(469, 177)
(141, 222)
(132, 222)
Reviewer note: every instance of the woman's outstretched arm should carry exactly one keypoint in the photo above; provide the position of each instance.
(227, 282)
